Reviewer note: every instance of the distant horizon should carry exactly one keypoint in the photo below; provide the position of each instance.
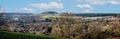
(60, 12)
(76, 6)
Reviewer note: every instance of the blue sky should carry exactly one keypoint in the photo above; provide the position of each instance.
(77, 6)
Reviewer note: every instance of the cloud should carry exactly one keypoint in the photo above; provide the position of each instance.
(114, 2)
(87, 11)
(51, 5)
(2, 9)
(27, 9)
(85, 6)
(59, 0)
(101, 2)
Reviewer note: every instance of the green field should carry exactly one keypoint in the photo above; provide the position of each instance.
(12, 35)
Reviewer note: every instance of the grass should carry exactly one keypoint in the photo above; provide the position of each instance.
(12, 35)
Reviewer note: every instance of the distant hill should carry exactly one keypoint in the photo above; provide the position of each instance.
(16, 14)
(49, 12)
(96, 14)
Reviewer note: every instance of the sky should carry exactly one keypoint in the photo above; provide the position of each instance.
(76, 6)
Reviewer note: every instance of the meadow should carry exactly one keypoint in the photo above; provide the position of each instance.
(13, 35)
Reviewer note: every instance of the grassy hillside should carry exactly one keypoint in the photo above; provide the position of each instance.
(12, 35)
